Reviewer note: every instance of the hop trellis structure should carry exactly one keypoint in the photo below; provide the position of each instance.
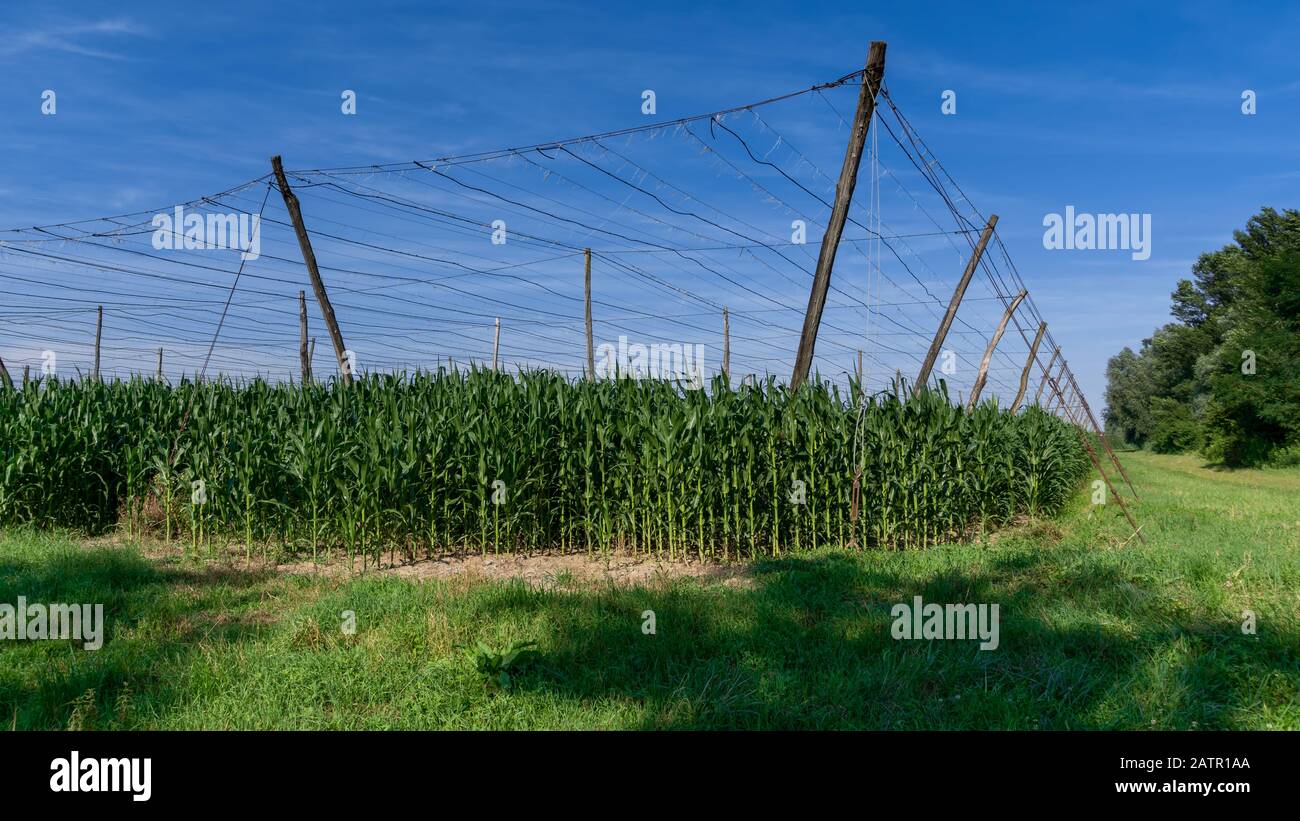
(461, 310)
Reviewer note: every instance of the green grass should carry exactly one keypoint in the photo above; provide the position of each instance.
(1093, 635)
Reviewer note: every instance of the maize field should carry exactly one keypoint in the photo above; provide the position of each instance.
(491, 462)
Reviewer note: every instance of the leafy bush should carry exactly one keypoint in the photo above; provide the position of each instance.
(1174, 430)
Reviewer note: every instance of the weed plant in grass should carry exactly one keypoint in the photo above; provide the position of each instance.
(484, 461)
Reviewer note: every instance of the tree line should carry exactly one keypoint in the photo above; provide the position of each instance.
(1223, 379)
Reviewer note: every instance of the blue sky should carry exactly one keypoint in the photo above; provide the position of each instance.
(1110, 107)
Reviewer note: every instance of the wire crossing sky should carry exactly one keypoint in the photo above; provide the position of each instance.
(423, 257)
(685, 214)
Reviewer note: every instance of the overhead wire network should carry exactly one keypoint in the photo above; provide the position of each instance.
(683, 218)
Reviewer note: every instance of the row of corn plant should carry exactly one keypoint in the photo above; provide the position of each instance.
(480, 461)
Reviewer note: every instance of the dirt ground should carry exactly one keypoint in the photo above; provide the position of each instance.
(538, 569)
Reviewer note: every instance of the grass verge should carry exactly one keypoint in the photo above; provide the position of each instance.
(1096, 632)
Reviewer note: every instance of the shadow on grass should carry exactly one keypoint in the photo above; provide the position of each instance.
(810, 647)
(154, 619)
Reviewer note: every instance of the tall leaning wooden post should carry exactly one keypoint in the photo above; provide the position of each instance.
(1096, 462)
(1068, 403)
(309, 258)
(1101, 435)
(1047, 372)
(1055, 395)
(496, 344)
(872, 78)
(941, 334)
(99, 332)
(1029, 366)
(726, 344)
(304, 361)
(586, 287)
(159, 372)
(983, 374)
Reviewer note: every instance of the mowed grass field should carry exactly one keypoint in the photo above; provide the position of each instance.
(1097, 631)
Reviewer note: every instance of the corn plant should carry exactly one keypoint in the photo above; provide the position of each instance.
(410, 463)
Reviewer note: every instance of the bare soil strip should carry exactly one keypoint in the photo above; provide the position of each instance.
(539, 569)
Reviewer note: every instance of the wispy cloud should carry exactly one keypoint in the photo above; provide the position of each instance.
(80, 38)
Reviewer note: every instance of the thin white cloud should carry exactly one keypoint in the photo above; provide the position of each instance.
(74, 38)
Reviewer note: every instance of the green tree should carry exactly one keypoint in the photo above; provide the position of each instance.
(1224, 378)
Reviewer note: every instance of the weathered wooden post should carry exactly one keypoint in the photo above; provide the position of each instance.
(304, 360)
(1047, 372)
(1029, 364)
(99, 331)
(942, 332)
(726, 344)
(496, 344)
(1092, 454)
(309, 258)
(872, 77)
(586, 279)
(1101, 435)
(983, 374)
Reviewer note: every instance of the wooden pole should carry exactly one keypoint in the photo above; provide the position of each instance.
(4, 374)
(983, 374)
(1054, 396)
(159, 371)
(1029, 364)
(942, 333)
(1101, 435)
(1064, 406)
(1046, 373)
(99, 331)
(871, 80)
(586, 279)
(1105, 441)
(1076, 408)
(27, 375)
(1060, 375)
(304, 360)
(309, 258)
(726, 344)
(1092, 454)
(496, 344)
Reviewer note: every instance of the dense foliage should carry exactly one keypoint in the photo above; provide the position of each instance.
(487, 461)
(1225, 378)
